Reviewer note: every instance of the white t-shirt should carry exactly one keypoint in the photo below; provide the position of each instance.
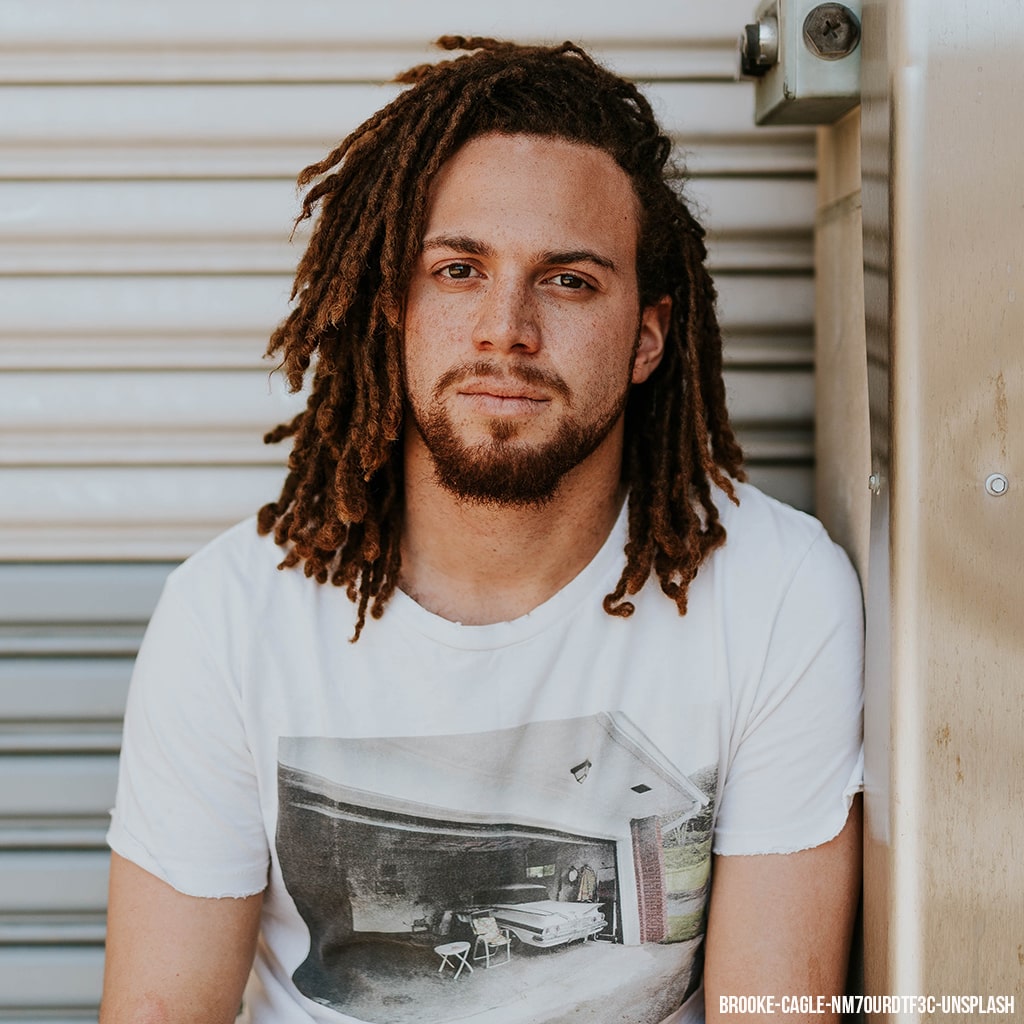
(566, 774)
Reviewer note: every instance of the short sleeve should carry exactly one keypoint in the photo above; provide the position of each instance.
(797, 756)
(188, 808)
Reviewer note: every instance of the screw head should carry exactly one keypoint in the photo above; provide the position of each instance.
(997, 485)
(831, 31)
(874, 483)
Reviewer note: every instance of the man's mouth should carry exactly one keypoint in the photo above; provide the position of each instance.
(481, 382)
(510, 390)
(495, 399)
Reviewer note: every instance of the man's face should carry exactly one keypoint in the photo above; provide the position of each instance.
(523, 329)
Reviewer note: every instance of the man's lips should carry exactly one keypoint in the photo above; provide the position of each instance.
(511, 391)
(511, 398)
(482, 381)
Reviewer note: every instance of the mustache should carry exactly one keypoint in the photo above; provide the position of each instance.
(524, 373)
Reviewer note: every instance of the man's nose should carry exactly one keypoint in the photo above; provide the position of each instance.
(507, 318)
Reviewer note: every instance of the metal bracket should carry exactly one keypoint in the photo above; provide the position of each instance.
(806, 59)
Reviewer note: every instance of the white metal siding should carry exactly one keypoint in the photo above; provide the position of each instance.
(146, 196)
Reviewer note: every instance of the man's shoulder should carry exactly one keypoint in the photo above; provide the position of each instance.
(238, 544)
(238, 560)
(759, 519)
(233, 585)
(770, 542)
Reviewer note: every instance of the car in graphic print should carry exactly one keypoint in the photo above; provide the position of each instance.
(526, 910)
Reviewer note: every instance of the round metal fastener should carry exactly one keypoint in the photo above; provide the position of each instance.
(759, 47)
(997, 485)
(831, 31)
(874, 483)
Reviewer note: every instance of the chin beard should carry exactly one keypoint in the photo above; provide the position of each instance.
(504, 471)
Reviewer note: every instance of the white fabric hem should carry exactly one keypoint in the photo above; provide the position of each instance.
(206, 884)
(793, 838)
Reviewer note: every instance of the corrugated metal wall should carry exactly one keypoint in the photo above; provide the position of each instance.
(146, 196)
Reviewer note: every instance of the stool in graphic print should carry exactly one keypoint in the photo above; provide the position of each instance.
(454, 955)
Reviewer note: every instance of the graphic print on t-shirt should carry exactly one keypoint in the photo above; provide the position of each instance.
(571, 854)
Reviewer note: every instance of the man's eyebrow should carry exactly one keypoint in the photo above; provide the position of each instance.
(458, 243)
(475, 247)
(577, 256)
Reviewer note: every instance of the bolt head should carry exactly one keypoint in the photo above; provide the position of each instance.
(831, 31)
(997, 485)
(759, 47)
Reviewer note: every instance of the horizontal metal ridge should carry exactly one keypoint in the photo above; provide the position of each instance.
(70, 738)
(113, 640)
(86, 833)
(55, 929)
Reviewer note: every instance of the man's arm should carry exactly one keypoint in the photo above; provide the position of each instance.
(780, 924)
(172, 958)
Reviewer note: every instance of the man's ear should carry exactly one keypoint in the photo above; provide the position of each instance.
(654, 324)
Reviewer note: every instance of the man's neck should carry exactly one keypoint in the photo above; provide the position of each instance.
(479, 563)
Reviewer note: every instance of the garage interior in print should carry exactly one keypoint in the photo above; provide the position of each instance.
(587, 847)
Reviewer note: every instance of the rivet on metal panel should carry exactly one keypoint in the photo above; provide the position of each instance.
(759, 47)
(831, 31)
(997, 485)
(874, 483)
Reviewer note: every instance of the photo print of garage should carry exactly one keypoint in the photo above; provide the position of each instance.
(573, 854)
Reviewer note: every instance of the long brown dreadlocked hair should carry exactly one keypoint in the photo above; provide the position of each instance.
(340, 510)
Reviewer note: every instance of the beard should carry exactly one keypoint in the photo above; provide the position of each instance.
(504, 470)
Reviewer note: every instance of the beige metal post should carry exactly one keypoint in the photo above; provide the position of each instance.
(842, 446)
(943, 203)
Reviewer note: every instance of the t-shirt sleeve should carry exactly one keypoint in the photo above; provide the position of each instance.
(188, 808)
(796, 754)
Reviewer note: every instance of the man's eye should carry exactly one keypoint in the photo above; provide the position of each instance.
(573, 281)
(457, 271)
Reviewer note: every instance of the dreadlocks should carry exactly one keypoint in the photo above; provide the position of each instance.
(340, 510)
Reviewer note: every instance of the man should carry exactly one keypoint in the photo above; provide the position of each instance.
(600, 657)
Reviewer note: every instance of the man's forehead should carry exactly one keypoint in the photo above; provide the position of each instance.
(567, 192)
